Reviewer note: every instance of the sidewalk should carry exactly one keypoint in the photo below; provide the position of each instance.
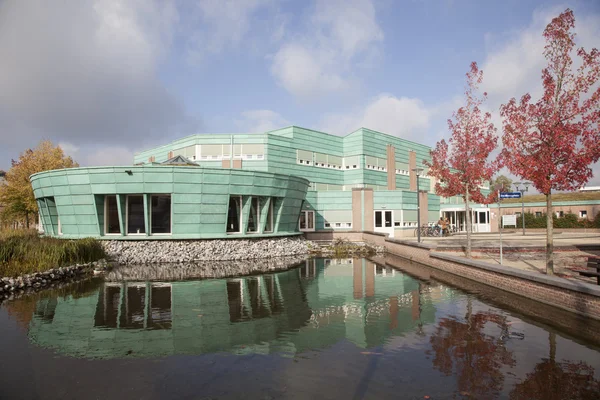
(525, 252)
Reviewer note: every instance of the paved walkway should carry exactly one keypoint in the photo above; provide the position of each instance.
(526, 252)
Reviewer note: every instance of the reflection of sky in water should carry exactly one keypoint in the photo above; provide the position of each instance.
(345, 328)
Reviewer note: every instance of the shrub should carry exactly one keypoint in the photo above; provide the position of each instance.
(24, 251)
(568, 220)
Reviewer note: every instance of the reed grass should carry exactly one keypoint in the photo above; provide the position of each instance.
(25, 251)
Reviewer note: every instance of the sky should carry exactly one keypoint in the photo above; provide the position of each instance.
(107, 78)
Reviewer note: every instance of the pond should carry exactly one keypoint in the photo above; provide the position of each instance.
(327, 329)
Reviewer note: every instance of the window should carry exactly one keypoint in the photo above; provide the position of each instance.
(160, 214)
(252, 151)
(111, 216)
(583, 214)
(538, 214)
(307, 221)
(483, 217)
(269, 222)
(254, 216)
(234, 214)
(377, 164)
(560, 214)
(214, 151)
(383, 219)
(135, 215)
(188, 152)
(304, 157)
(327, 225)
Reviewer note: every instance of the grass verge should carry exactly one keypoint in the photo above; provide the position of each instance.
(25, 252)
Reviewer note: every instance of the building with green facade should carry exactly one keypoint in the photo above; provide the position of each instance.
(282, 182)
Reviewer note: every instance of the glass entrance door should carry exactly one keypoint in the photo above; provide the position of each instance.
(384, 222)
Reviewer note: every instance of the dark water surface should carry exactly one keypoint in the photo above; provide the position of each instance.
(330, 329)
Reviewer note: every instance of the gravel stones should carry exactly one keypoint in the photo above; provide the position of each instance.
(185, 251)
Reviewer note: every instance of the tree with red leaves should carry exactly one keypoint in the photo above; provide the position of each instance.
(553, 142)
(463, 165)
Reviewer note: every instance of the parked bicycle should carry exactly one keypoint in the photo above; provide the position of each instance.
(428, 230)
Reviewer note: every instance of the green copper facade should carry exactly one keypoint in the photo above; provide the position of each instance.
(235, 185)
(167, 202)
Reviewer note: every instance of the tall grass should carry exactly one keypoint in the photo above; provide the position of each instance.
(24, 252)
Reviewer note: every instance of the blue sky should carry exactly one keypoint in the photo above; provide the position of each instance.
(105, 78)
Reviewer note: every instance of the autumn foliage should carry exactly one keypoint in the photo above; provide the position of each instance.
(16, 192)
(553, 141)
(463, 165)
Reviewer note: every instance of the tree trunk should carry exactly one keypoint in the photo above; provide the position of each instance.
(468, 217)
(27, 220)
(549, 236)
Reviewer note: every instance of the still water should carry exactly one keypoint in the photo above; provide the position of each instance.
(329, 329)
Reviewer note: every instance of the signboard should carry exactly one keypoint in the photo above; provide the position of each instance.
(510, 195)
(509, 220)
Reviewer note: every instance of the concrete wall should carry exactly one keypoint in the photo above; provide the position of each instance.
(579, 298)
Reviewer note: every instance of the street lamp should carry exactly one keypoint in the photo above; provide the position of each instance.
(417, 172)
(524, 188)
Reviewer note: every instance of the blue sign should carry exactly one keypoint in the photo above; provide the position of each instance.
(510, 195)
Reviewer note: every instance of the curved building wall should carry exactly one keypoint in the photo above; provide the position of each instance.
(167, 202)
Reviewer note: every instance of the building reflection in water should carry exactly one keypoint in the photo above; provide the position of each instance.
(313, 306)
(134, 306)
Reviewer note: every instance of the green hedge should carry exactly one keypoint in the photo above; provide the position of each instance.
(567, 221)
(25, 251)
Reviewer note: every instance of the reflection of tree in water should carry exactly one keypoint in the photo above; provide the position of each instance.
(551, 380)
(475, 357)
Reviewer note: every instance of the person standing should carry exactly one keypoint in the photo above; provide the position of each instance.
(441, 224)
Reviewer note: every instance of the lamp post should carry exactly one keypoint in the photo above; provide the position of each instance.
(522, 187)
(417, 172)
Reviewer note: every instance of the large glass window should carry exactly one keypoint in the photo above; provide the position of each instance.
(135, 214)
(254, 216)
(234, 214)
(161, 213)
(269, 221)
(111, 215)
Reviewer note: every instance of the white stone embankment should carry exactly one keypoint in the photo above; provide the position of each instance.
(181, 251)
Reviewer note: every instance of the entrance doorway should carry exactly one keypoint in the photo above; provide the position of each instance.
(384, 222)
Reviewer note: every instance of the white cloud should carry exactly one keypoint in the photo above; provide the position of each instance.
(339, 36)
(213, 26)
(513, 67)
(85, 72)
(261, 121)
(404, 117)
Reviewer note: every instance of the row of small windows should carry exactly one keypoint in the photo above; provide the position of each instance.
(338, 225)
(249, 151)
(324, 187)
(352, 162)
(327, 160)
